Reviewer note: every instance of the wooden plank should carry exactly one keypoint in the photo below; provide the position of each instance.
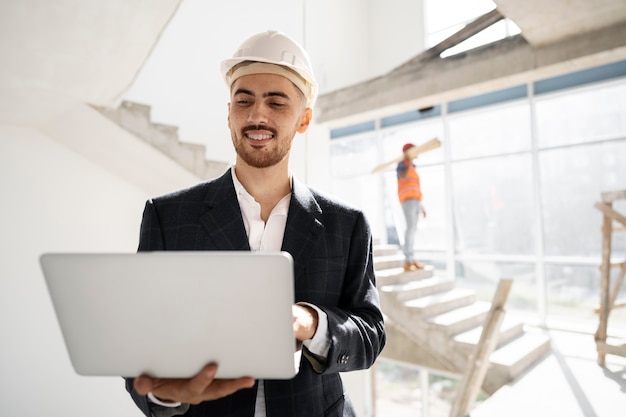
(479, 362)
(608, 349)
(610, 213)
(617, 304)
(429, 145)
(605, 279)
(611, 196)
(608, 295)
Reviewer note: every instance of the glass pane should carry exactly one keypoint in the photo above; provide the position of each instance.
(571, 182)
(483, 276)
(397, 389)
(583, 115)
(491, 131)
(359, 191)
(493, 205)
(443, 14)
(573, 296)
(353, 155)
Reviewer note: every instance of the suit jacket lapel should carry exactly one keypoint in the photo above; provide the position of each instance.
(304, 227)
(224, 224)
(222, 219)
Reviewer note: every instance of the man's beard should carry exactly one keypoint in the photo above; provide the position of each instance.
(260, 158)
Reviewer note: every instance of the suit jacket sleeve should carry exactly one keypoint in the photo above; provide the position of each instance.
(356, 323)
(332, 249)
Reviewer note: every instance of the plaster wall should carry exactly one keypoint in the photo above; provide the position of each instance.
(53, 200)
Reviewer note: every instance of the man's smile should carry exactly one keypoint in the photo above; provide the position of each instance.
(259, 136)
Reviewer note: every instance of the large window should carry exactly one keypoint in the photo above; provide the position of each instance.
(490, 131)
(493, 205)
(582, 115)
(510, 193)
(572, 179)
(352, 160)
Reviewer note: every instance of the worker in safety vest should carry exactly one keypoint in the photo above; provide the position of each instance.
(410, 196)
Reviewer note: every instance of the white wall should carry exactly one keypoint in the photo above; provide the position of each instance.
(55, 199)
(396, 33)
(355, 40)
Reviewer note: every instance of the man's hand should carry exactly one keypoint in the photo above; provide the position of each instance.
(304, 322)
(202, 387)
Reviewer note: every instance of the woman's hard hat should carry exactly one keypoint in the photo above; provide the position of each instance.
(273, 52)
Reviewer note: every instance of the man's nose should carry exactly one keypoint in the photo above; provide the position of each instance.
(257, 114)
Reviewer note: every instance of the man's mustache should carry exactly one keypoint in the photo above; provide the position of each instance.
(258, 127)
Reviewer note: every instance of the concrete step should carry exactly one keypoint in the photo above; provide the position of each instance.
(385, 250)
(440, 303)
(509, 329)
(393, 276)
(395, 260)
(461, 319)
(418, 288)
(388, 261)
(135, 118)
(513, 358)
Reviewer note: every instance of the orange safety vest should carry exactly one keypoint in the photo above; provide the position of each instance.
(409, 186)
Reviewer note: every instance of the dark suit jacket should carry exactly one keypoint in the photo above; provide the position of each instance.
(332, 250)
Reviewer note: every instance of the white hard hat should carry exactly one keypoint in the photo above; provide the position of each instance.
(273, 47)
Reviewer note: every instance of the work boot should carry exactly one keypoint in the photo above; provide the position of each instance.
(410, 266)
(418, 265)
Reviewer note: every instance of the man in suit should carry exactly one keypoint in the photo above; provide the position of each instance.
(258, 205)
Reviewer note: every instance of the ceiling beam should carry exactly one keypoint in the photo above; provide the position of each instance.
(509, 62)
(469, 30)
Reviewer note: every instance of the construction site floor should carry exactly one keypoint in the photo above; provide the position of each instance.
(568, 382)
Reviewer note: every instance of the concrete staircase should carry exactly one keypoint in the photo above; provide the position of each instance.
(135, 118)
(432, 323)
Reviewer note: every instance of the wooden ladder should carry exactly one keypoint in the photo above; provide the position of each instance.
(608, 294)
(478, 363)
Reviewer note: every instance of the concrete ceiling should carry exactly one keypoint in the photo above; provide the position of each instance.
(547, 21)
(57, 53)
(54, 51)
(557, 37)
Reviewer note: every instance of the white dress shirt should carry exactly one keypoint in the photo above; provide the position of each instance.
(269, 237)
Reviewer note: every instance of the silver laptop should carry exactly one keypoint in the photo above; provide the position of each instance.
(167, 314)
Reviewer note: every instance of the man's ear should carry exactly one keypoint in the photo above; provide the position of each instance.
(306, 120)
